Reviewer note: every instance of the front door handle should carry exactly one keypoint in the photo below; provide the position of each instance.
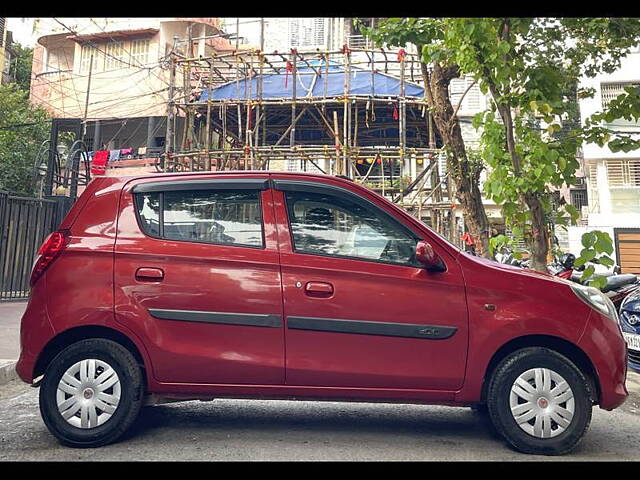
(149, 274)
(318, 289)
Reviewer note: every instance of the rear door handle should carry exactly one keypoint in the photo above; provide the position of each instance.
(149, 274)
(319, 289)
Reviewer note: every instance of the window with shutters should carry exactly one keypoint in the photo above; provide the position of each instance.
(471, 101)
(86, 52)
(114, 55)
(139, 52)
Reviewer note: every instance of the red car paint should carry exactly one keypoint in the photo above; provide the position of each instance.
(111, 274)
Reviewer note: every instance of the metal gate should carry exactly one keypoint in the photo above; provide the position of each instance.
(24, 224)
(628, 249)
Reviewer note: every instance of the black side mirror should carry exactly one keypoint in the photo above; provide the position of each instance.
(567, 260)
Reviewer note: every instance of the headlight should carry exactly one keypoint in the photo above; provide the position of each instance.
(596, 300)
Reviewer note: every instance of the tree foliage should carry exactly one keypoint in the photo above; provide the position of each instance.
(463, 165)
(529, 67)
(20, 70)
(23, 128)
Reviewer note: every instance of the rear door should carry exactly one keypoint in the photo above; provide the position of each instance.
(197, 278)
(360, 312)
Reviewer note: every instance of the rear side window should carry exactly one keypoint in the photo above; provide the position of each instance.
(225, 217)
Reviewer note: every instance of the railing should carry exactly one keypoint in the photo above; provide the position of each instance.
(359, 41)
(24, 224)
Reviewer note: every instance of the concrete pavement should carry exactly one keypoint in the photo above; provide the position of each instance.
(10, 315)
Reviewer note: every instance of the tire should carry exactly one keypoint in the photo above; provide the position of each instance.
(121, 378)
(545, 436)
(480, 408)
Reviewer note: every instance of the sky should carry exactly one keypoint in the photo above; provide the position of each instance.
(22, 29)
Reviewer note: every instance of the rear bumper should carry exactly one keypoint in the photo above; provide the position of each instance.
(605, 346)
(35, 332)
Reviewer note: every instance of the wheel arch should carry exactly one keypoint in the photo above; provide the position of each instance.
(84, 332)
(560, 345)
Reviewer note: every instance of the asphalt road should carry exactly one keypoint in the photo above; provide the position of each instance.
(289, 431)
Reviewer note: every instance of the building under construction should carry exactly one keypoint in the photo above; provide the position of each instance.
(360, 113)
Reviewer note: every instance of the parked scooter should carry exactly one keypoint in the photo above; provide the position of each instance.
(618, 285)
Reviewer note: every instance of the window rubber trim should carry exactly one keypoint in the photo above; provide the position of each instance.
(207, 184)
(314, 187)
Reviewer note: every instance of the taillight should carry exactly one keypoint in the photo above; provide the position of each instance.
(53, 246)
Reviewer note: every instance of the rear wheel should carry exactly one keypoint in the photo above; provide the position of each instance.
(91, 393)
(539, 401)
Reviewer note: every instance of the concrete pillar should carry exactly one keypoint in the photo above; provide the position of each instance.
(151, 125)
(96, 136)
(604, 193)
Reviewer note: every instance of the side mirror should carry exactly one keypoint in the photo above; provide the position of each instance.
(567, 260)
(429, 258)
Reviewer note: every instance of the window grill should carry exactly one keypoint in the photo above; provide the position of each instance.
(623, 173)
(579, 198)
(609, 91)
(307, 32)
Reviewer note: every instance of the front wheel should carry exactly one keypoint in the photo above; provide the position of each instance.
(91, 393)
(539, 401)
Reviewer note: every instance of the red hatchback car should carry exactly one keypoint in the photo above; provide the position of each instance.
(295, 286)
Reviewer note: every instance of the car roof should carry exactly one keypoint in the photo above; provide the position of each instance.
(127, 178)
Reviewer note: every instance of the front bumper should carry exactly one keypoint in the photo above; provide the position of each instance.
(605, 346)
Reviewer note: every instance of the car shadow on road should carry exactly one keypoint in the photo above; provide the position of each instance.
(320, 418)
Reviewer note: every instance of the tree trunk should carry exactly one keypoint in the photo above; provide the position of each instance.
(465, 174)
(539, 234)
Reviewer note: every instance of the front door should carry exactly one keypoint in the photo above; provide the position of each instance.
(197, 278)
(360, 312)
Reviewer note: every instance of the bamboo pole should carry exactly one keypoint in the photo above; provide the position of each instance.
(337, 143)
(294, 78)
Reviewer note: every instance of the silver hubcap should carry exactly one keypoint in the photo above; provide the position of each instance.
(88, 393)
(542, 403)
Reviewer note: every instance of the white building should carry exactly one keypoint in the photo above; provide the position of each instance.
(613, 179)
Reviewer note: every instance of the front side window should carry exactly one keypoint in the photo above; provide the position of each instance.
(333, 225)
(225, 217)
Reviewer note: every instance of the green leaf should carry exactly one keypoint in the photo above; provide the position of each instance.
(587, 272)
(604, 260)
(598, 282)
(588, 239)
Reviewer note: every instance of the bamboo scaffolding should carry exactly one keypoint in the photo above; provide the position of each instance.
(349, 133)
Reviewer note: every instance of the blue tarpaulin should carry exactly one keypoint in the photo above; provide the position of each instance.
(311, 85)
